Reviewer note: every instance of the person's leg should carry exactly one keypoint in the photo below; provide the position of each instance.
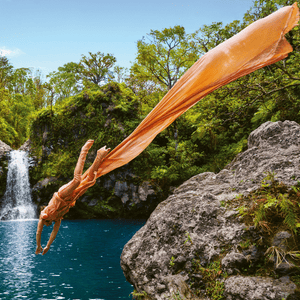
(101, 153)
(67, 189)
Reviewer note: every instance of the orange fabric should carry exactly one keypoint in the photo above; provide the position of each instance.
(260, 44)
(55, 205)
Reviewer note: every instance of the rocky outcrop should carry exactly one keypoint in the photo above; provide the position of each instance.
(4, 150)
(32, 160)
(192, 234)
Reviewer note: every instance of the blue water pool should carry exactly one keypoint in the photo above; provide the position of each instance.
(82, 263)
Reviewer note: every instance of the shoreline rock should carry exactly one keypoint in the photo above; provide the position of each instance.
(193, 226)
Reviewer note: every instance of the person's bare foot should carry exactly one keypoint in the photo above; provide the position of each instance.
(101, 153)
(87, 146)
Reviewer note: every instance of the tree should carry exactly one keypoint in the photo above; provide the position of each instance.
(208, 37)
(263, 8)
(7, 132)
(225, 118)
(18, 81)
(120, 74)
(72, 78)
(65, 82)
(165, 56)
(21, 94)
(5, 71)
(96, 68)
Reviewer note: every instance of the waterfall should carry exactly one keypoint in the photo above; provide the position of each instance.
(17, 203)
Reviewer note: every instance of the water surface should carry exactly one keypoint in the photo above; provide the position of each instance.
(82, 263)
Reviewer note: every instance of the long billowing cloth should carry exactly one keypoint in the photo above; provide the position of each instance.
(260, 44)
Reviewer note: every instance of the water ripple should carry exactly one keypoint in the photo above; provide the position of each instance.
(86, 267)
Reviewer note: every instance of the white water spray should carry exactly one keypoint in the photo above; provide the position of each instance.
(17, 203)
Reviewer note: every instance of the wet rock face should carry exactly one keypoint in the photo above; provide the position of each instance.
(192, 224)
(4, 151)
(185, 226)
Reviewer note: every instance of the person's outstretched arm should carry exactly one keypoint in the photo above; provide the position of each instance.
(52, 236)
(39, 230)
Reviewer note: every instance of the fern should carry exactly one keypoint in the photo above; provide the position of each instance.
(289, 212)
(260, 214)
(271, 201)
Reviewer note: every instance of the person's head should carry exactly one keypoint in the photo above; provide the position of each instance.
(46, 222)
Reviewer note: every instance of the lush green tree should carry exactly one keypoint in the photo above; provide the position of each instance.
(64, 83)
(36, 89)
(96, 67)
(21, 94)
(208, 37)
(5, 71)
(165, 56)
(7, 132)
(91, 71)
(263, 8)
(225, 118)
(120, 74)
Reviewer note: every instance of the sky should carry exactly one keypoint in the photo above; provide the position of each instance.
(46, 34)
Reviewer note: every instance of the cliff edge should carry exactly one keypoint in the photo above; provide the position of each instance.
(209, 241)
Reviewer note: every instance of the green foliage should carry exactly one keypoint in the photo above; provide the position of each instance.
(270, 204)
(63, 83)
(176, 296)
(89, 73)
(172, 264)
(65, 127)
(21, 94)
(138, 295)
(245, 244)
(224, 119)
(72, 106)
(188, 238)
(95, 67)
(167, 55)
(210, 36)
(211, 276)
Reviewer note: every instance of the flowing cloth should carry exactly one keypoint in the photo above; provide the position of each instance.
(260, 44)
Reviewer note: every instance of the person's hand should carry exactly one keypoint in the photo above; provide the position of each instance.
(46, 249)
(38, 250)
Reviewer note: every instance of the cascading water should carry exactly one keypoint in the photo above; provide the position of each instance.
(17, 203)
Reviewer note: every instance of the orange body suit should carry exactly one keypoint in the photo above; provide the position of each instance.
(66, 197)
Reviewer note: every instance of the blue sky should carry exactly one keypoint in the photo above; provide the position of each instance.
(46, 34)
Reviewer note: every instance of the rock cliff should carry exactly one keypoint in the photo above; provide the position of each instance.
(4, 150)
(199, 244)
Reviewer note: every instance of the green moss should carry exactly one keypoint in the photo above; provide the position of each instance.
(63, 129)
(212, 276)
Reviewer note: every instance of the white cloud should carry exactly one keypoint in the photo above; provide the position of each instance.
(10, 53)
